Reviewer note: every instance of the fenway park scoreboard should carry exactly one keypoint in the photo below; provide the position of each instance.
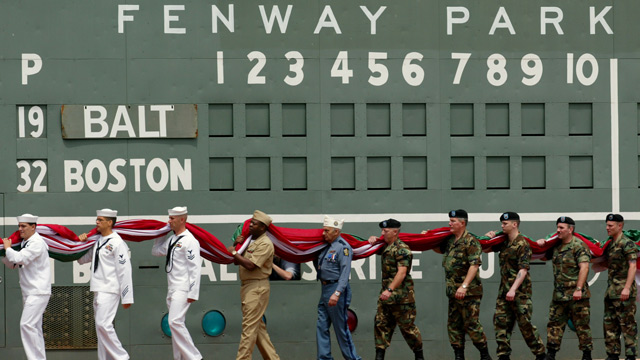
(364, 109)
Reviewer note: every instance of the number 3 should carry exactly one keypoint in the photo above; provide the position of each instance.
(295, 68)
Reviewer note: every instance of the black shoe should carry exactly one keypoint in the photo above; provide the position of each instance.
(458, 353)
(504, 357)
(379, 354)
(542, 356)
(419, 354)
(586, 355)
(484, 354)
(551, 354)
(613, 356)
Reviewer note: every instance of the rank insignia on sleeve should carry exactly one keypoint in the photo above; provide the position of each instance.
(346, 252)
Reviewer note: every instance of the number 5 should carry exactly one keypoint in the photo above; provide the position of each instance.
(378, 68)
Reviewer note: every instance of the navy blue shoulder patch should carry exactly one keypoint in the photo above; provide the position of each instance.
(341, 241)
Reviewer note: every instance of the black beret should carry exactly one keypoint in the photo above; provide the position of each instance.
(565, 220)
(509, 215)
(460, 214)
(389, 224)
(615, 217)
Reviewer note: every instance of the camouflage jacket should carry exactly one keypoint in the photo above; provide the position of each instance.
(514, 255)
(618, 254)
(395, 255)
(565, 259)
(458, 256)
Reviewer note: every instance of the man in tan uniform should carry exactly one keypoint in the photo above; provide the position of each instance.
(255, 262)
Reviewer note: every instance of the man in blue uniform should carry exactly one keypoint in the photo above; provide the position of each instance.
(333, 267)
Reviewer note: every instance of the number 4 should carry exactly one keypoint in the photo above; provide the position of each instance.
(340, 68)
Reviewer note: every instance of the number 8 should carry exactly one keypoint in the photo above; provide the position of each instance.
(496, 64)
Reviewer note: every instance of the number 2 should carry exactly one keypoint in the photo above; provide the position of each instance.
(254, 77)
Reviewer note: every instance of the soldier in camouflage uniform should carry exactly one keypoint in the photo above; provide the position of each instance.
(397, 304)
(514, 295)
(620, 299)
(461, 261)
(570, 258)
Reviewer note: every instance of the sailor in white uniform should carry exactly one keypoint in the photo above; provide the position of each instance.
(182, 253)
(110, 283)
(35, 282)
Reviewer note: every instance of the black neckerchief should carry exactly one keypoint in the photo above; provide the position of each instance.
(172, 245)
(23, 244)
(96, 260)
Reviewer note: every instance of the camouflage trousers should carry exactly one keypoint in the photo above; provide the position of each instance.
(619, 317)
(507, 313)
(403, 315)
(579, 313)
(464, 318)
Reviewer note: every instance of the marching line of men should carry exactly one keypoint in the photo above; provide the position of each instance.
(111, 282)
(570, 258)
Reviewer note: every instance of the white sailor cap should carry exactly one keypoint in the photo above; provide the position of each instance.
(334, 223)
(107, 213)
(178, 210)
(27, 218)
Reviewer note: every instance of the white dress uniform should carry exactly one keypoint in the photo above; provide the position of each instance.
(183, 267)
(35, 283)
(110, 282)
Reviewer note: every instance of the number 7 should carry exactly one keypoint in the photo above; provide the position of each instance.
(463, 57)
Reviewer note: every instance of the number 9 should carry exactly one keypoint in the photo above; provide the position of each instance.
(534, 72)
